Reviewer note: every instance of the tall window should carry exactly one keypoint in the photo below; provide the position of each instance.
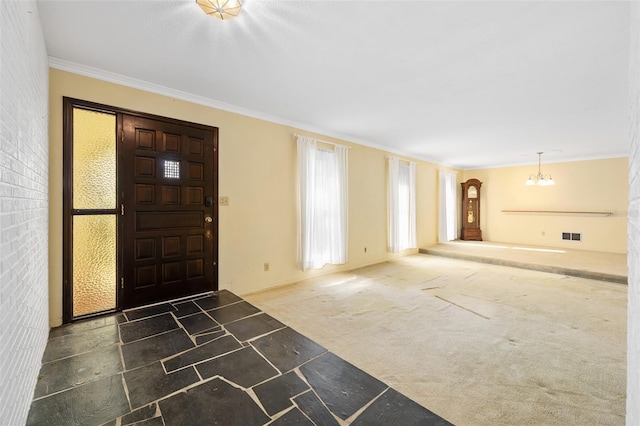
(323, 204)
(447, 212)
(402, 205)
(91, 205)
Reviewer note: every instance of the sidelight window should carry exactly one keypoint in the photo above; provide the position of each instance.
(91, 169)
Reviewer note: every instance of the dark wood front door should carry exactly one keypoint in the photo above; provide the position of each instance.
(168, 184)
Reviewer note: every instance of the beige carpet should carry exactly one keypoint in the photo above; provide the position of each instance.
(477, 344)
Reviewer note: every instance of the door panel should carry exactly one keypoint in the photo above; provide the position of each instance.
(169, 234)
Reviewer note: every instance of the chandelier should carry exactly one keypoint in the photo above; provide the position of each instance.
(221, 9)
(540, 179)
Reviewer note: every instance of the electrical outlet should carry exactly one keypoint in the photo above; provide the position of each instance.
(224, 201)
(266, 266)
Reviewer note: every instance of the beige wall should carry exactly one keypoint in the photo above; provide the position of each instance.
(257, 173)
(595, 185)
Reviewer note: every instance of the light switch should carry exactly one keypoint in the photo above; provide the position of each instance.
(224, 201)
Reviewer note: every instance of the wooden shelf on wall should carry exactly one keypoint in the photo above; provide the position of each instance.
(567, 212)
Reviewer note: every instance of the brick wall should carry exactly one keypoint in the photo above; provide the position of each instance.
(633, 313)
(24, 151)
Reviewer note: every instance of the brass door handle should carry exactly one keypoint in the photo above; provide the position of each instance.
(208, 219)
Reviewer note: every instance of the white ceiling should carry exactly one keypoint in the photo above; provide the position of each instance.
(467, 84)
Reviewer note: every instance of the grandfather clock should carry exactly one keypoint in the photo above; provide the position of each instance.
(471, 210)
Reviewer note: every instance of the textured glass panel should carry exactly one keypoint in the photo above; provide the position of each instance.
(94, 160)
(172, 169)
(94, 263)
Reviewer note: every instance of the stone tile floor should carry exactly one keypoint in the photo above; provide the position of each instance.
(210, 360)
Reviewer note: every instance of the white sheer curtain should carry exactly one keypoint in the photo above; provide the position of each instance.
(402, 205)
(448, 228)
(323, 204)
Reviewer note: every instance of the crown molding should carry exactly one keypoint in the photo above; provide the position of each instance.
(123, 80)
(535, 163)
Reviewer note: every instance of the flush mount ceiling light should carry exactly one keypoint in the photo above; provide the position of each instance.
(221, 9)
(540, 179)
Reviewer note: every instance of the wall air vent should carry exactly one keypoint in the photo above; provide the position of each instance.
(572, 236)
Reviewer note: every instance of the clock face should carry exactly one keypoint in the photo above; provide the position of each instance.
(473, 192)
